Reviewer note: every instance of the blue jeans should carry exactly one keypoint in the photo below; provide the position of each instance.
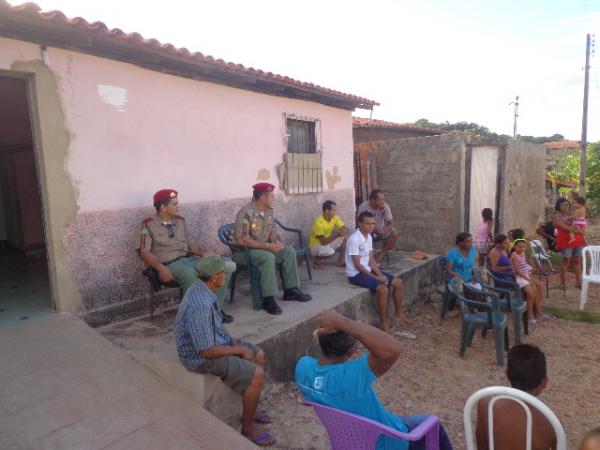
(413, 422)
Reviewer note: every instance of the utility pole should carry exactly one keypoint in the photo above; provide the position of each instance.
(583, 165)
(516, 103)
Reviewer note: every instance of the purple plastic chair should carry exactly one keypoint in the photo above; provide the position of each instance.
(349, 431)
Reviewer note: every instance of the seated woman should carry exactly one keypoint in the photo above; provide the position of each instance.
(499, 259)
(462, 259)
(534, 289)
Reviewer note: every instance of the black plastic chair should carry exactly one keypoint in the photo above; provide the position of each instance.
(301, 247)
(377, 239)
(157, 286)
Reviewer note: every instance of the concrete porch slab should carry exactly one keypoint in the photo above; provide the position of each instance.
(63, 386)
(284, 338)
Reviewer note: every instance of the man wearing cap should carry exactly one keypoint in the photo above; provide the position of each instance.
(205, 346)
(254, 229)
(165, 244)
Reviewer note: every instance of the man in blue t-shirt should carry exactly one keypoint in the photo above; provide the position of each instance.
(337, 381)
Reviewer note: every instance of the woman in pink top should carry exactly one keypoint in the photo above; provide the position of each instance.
(483, 235)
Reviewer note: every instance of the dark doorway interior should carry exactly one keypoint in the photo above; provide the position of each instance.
(24, 281)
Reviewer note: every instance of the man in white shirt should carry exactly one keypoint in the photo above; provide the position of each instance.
(362, 270)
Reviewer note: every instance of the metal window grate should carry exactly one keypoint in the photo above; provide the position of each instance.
(304, 173)
(301, 136)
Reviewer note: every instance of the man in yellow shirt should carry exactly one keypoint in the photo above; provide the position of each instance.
(328, 233)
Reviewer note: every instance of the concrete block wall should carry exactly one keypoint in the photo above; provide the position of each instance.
(423, 181)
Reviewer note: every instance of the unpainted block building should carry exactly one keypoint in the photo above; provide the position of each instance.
(438, 185)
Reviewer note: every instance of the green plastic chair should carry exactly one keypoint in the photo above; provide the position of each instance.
(485, 315)
(449, 300)
(510, 299)
(226, 237)
(301, 246)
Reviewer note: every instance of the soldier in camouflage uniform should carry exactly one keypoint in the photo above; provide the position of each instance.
(254, 229)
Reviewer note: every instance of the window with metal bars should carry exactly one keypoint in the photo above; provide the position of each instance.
(302, 161)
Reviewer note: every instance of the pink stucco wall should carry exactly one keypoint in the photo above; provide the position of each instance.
(135, 130)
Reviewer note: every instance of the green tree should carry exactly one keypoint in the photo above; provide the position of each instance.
(567, 170)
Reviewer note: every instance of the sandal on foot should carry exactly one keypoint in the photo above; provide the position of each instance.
(263, 417)
(545, 318)
(406, 334)
(264, 440)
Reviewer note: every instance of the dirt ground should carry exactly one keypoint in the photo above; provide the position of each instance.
(431, 378)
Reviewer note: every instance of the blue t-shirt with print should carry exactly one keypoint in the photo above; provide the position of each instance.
(348, 386)
(461, 265)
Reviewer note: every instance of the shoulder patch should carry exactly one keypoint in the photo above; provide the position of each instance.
(144, 231)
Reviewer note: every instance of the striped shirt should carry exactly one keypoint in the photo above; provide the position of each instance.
(198, 325)
(521, 265)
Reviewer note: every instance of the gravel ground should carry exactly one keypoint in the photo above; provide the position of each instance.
(431, 378)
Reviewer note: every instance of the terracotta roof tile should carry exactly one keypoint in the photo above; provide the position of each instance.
(562, 145)
(360, 122)
(12, 16)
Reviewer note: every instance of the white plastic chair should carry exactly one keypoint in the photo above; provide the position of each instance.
(520, 397)
(594, 276)
(540, 254)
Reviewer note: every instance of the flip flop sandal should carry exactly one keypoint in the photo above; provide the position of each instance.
(263, 440)
(263, 417)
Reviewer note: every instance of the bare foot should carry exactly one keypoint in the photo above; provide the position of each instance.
(404, 320)
(317, 265)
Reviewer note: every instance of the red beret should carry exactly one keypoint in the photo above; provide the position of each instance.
(263, 187)
(164, 194)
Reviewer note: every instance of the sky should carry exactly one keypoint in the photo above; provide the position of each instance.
(461, 60)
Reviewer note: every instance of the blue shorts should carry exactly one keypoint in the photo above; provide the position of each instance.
(568, 252)
(368, 282)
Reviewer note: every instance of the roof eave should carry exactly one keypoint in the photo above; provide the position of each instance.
(31, 29)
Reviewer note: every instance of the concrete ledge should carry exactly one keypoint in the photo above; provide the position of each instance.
(284, 338)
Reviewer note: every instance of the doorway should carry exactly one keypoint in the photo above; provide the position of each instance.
(24, 279)
(483, 174)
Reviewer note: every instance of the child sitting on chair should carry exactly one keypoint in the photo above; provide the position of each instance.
(527, 372)
(578, 219)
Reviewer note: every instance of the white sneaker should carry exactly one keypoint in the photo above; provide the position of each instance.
(406, 334)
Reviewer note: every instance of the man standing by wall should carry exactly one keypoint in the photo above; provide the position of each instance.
(384, 221)
(165, 244)
(255, 229)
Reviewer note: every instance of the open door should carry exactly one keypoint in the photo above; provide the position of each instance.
(24, 279)
(483, 184)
